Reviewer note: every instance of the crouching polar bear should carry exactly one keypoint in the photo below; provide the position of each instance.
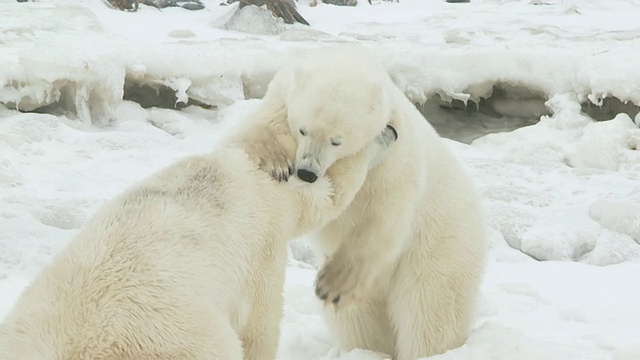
(187, 265)
(401, 267)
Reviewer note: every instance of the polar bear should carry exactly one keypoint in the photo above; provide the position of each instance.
(189, 264)
(400, 268)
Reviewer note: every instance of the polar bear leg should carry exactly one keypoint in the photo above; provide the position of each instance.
(444, 300)
(261, 339)
(261, 334)
(212, 337)
(363, 326)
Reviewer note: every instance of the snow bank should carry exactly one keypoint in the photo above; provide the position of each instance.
(619, 216)
(570, 223)
(85, 69)
(45, 61)
(90, 59)
(609, 145)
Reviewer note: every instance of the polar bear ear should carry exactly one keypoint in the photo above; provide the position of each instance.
(280, 88)
(299, 78)
(379, 100)
(393, 121)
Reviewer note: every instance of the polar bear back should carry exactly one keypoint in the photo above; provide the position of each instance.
(186, 238)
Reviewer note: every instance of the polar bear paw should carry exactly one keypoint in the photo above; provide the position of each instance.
(272, 158)
(279, 166)
(341, 281)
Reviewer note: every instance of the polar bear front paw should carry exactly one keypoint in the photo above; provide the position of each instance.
(341, 281)
(280, 167)
(272, 158)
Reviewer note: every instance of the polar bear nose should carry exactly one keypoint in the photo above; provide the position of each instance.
(306, 175)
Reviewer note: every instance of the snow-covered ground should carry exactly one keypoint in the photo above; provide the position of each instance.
(562, 193)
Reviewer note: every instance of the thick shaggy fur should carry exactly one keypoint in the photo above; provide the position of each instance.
(401, 267)
(187, 265)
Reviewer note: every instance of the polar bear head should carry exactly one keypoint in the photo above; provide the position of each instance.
(337, 103)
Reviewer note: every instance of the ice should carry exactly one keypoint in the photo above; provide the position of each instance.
(612, 248)
(67, 76)
(208, 64)
(567, 241)
(620, 216)
(93, 100)
(65, 216)
(607, 145)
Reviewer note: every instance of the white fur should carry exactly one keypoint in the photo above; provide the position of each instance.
(403, 263)
(187, 265)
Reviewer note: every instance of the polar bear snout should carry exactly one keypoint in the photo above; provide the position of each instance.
(309, 159)
(307, 175)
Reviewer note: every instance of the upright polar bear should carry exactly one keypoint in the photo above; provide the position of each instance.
(188, 265)
(404, 262)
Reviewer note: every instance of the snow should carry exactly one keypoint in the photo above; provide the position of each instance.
(518, 83)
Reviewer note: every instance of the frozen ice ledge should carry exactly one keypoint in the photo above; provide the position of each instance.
(77, 69)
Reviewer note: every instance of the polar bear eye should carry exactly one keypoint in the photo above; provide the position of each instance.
(303, 132)
(336, 142)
